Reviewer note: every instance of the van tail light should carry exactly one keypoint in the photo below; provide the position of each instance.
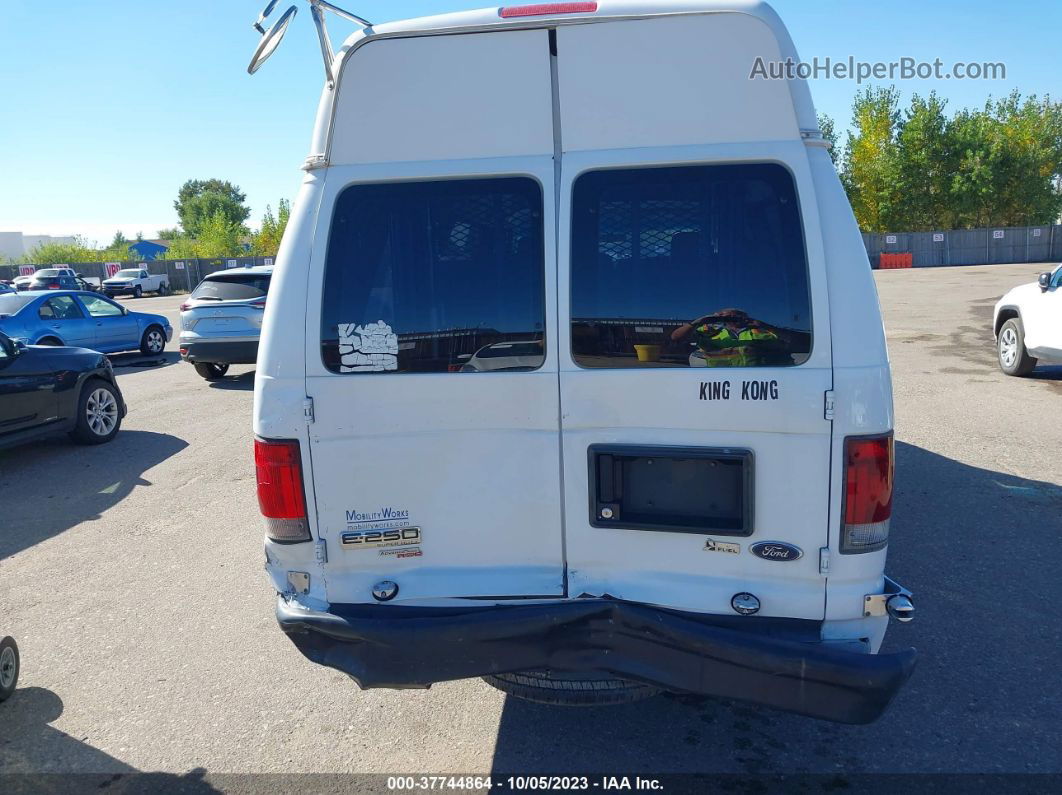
(868, 471)
(281, 498)
(542, 9)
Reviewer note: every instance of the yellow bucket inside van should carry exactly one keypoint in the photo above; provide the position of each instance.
(647, 353)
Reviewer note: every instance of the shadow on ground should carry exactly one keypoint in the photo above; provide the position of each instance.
(980, 550)
(1047, 373)
(244, 382)
(36, 757)
(59, 484)
(129, 362)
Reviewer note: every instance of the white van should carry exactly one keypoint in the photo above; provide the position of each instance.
(683, 481)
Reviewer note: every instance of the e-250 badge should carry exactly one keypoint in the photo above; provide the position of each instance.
(390, 537)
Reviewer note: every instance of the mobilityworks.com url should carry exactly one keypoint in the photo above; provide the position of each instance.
(850, 69)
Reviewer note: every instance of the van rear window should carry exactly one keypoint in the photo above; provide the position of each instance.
(421, 275)
(693, 266)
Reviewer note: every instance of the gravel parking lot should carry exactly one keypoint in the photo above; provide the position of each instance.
(131, 576)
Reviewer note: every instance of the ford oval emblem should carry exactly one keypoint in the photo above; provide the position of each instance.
(776, 550)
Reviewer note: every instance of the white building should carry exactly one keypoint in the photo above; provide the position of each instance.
(16, 245)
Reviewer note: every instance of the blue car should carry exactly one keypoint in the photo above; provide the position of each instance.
(81, 319)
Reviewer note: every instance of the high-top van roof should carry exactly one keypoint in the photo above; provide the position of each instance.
(703, 82)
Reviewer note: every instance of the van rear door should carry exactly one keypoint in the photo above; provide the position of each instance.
(692, 287)
(431, 361)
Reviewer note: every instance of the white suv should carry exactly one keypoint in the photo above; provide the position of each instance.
(574, 376)
(222, 320)
(1028, 324)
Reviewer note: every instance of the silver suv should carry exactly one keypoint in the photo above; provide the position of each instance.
(222, 319)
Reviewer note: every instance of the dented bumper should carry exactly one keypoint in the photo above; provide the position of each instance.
(763, 661)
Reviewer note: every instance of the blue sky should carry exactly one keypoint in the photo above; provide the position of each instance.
(107, 107)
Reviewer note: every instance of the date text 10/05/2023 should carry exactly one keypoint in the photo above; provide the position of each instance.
(522, 783)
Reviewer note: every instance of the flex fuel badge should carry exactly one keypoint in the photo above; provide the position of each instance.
(711, 545)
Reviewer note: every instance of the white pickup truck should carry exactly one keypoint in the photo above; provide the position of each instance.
(136, 282)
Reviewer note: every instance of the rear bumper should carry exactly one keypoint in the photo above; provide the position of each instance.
(220, 351)
(402, 647)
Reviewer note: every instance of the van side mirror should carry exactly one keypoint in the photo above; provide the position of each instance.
(1044, 281)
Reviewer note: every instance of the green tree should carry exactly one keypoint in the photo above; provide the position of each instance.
(972, 189)
(120, 253)
(925, 162)
(181, 247)
(870, 158)
(118, 240)
(201, 200)
(829, 132)
(266, 241)
(1000, 165)
(168, 234)
(62, 253)
(219, 236)
(1008, 162)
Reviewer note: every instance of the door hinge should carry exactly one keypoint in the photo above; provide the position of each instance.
(307, 409)
(824, 560)
(828, 409)
(314, 162)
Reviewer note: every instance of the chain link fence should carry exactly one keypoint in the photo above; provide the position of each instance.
(989, 246)
(184, 275)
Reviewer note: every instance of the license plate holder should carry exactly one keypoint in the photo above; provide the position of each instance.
(672, 489)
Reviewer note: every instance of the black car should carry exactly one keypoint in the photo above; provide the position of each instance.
(53, 279)
(46, 390)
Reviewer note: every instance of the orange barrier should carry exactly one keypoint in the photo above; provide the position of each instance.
(902, 259)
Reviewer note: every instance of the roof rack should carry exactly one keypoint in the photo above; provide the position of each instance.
(271, 38)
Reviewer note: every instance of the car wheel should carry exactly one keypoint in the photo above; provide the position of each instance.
(9, 664)
(555, 687)
(137, 291)
(1010, 349)
(211, 371)
(99, 414)
(153, 342)
(52, 341)
(163, 290)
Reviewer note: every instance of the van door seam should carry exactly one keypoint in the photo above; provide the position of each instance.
(554, 82)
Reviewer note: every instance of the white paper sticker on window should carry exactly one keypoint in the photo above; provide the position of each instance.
(367, 349)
